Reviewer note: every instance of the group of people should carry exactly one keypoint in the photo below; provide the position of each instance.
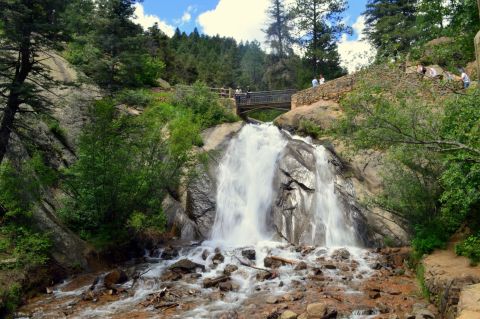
(432, 73)
(239, 94)
(316, 82)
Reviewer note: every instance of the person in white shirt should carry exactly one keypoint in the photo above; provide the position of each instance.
(322, 79)
(432, 72)
(314, 82)
(465, 79)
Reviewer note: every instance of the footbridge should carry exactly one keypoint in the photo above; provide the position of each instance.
(265, 100)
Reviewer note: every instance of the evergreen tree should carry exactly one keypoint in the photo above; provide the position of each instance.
(320, 24)
(391, 25)
(29, 29)
(279, 31)
(113, 52)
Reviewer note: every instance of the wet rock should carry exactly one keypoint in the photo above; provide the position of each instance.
(271, 300)
(264, 275)
(330, 266)
(288, 315)
(303, 316)
(376, 266)
(424, 314)
(320, 311)
(205, 254)
(115, 277)
(169, 253)
(225, 286)
(214, 282)
(170, 276)
(186, 266)
(341, 254)
(229, 269)
(218, 258)
(301, 266)
(249, 254)
(228, 315)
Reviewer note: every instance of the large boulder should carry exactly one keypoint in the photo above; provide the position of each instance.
(322, 113)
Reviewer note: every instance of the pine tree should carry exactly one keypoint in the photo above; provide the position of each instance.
(279, 31)
(320, 24)
(29, 29)
(391, 26)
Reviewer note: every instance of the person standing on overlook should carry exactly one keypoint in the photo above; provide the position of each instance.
(465, 79)
(322, 79)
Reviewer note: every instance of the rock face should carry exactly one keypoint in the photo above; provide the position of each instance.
(201, 191)
(295, 182)
(322, 113)
(69, 110)
(469, 305)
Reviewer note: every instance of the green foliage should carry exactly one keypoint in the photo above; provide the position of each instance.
(391, 25)
(447, 55)
(470, 248)
(125, 166)
(421, 281)
(204, 105)
(427, 140)
(139, 222)
(19, 190)
(10, 298)
(141, 98)
(309, 128)
(265, 115)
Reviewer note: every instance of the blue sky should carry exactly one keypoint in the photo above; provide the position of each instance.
(242, 20)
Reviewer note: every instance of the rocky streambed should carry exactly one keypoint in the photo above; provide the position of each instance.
(270, 280)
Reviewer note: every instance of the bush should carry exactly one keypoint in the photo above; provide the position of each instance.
(141, 98)
(470, 248)
(125, 167)
(309, 128)
(204, 105)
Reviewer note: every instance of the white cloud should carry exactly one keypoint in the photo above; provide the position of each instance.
(148, 20)
(186, 17)
(241, 20)
(358, 53)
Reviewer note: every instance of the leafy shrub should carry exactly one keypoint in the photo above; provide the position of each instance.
(265, 115)
(470, 248)
(428, 238)
(10, 299)
(141, 98)
(204, 105)
(309, 128)
(125, 167)
(140, 222)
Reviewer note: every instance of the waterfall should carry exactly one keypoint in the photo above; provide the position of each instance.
(244, 192)
(328, 212)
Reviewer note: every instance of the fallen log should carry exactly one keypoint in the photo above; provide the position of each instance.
(284, 260)
(243, 263)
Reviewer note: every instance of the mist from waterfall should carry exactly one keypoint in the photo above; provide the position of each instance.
(245, 191)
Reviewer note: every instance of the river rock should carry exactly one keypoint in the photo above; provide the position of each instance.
(249, 254)
(170, 275)
(225, 286)
(218, 258)
(214, 282)
(320, 311)
(186, 266)
(271, 300)
(205, 254)
(169, 253)
(341, 254)
(301, 266)
(229, 269)
(115, 277)
(288, 314)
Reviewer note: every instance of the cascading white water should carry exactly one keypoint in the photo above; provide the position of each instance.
(328, 211)
(244, 193)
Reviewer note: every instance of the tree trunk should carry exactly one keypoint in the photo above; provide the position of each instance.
(24, 66)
